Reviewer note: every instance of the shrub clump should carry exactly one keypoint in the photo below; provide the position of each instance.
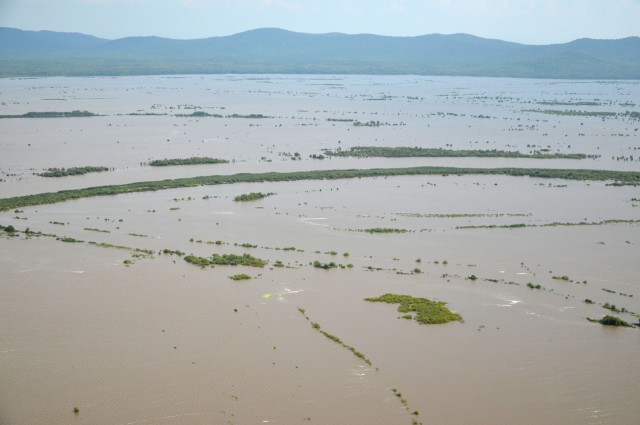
(318, 265)
(611, 321)
(384, 230)
(426, 311)
(226, 260)
(73, 171)
(253, 196)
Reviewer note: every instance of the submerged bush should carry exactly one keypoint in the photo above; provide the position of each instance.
(611, 321)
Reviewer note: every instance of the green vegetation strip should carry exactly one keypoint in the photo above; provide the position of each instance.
(334, 338)
(462, 215)
(195, 160)
(73, 171)
(554, 224)
(12, 231)
(52, 114)
(610, 321)
(203, 114)
(253, 196)
(406, 152)
(226, 260)
(384, 230)
(574, 113)
(627, 177)
(426, 311)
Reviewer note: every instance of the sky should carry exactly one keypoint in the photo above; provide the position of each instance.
(521, 21)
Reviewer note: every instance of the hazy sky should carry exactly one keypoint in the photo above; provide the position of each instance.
(523, 21)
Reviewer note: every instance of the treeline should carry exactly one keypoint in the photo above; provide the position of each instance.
(618, 177)
(73, 171)
(575, 113)
(186, 161)
(199, 114)
(203, 114)
(52, 114)
(407, 152)
(554, 224)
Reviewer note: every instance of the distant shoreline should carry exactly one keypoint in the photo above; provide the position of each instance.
(277, 51)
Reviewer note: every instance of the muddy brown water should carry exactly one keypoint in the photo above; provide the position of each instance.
(161, 341)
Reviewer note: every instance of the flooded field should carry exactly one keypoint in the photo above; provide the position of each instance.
(100, 312)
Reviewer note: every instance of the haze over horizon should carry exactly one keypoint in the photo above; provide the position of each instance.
(520, 21)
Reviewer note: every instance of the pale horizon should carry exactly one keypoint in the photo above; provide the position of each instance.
(311, 33)
(536, 22)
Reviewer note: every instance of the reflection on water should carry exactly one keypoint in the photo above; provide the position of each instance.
(162, 341)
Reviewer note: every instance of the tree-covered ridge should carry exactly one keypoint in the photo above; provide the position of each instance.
(194, 160)
(407, 152)
(618, 177)
(72, 171)
(426, 311)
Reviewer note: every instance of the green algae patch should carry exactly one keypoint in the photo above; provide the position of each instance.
(423, 310)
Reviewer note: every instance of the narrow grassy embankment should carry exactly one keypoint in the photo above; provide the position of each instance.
(194, 160)
(411, 152)
(617, 177)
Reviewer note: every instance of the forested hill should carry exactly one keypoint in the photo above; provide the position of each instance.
(47, 53)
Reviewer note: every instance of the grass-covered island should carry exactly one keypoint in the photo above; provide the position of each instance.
(408, 152)
(575, 113)
(226, 260)
(194, 160)
(253, 196)
(73, 171)
(426, 311)
(199, 114)
(617, 177)
(52, 114)
(384, 230)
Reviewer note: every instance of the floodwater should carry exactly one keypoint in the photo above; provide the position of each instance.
(131, 338)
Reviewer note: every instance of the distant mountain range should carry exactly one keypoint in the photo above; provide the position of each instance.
(270, 50)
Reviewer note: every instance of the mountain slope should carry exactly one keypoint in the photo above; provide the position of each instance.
(270, 50)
